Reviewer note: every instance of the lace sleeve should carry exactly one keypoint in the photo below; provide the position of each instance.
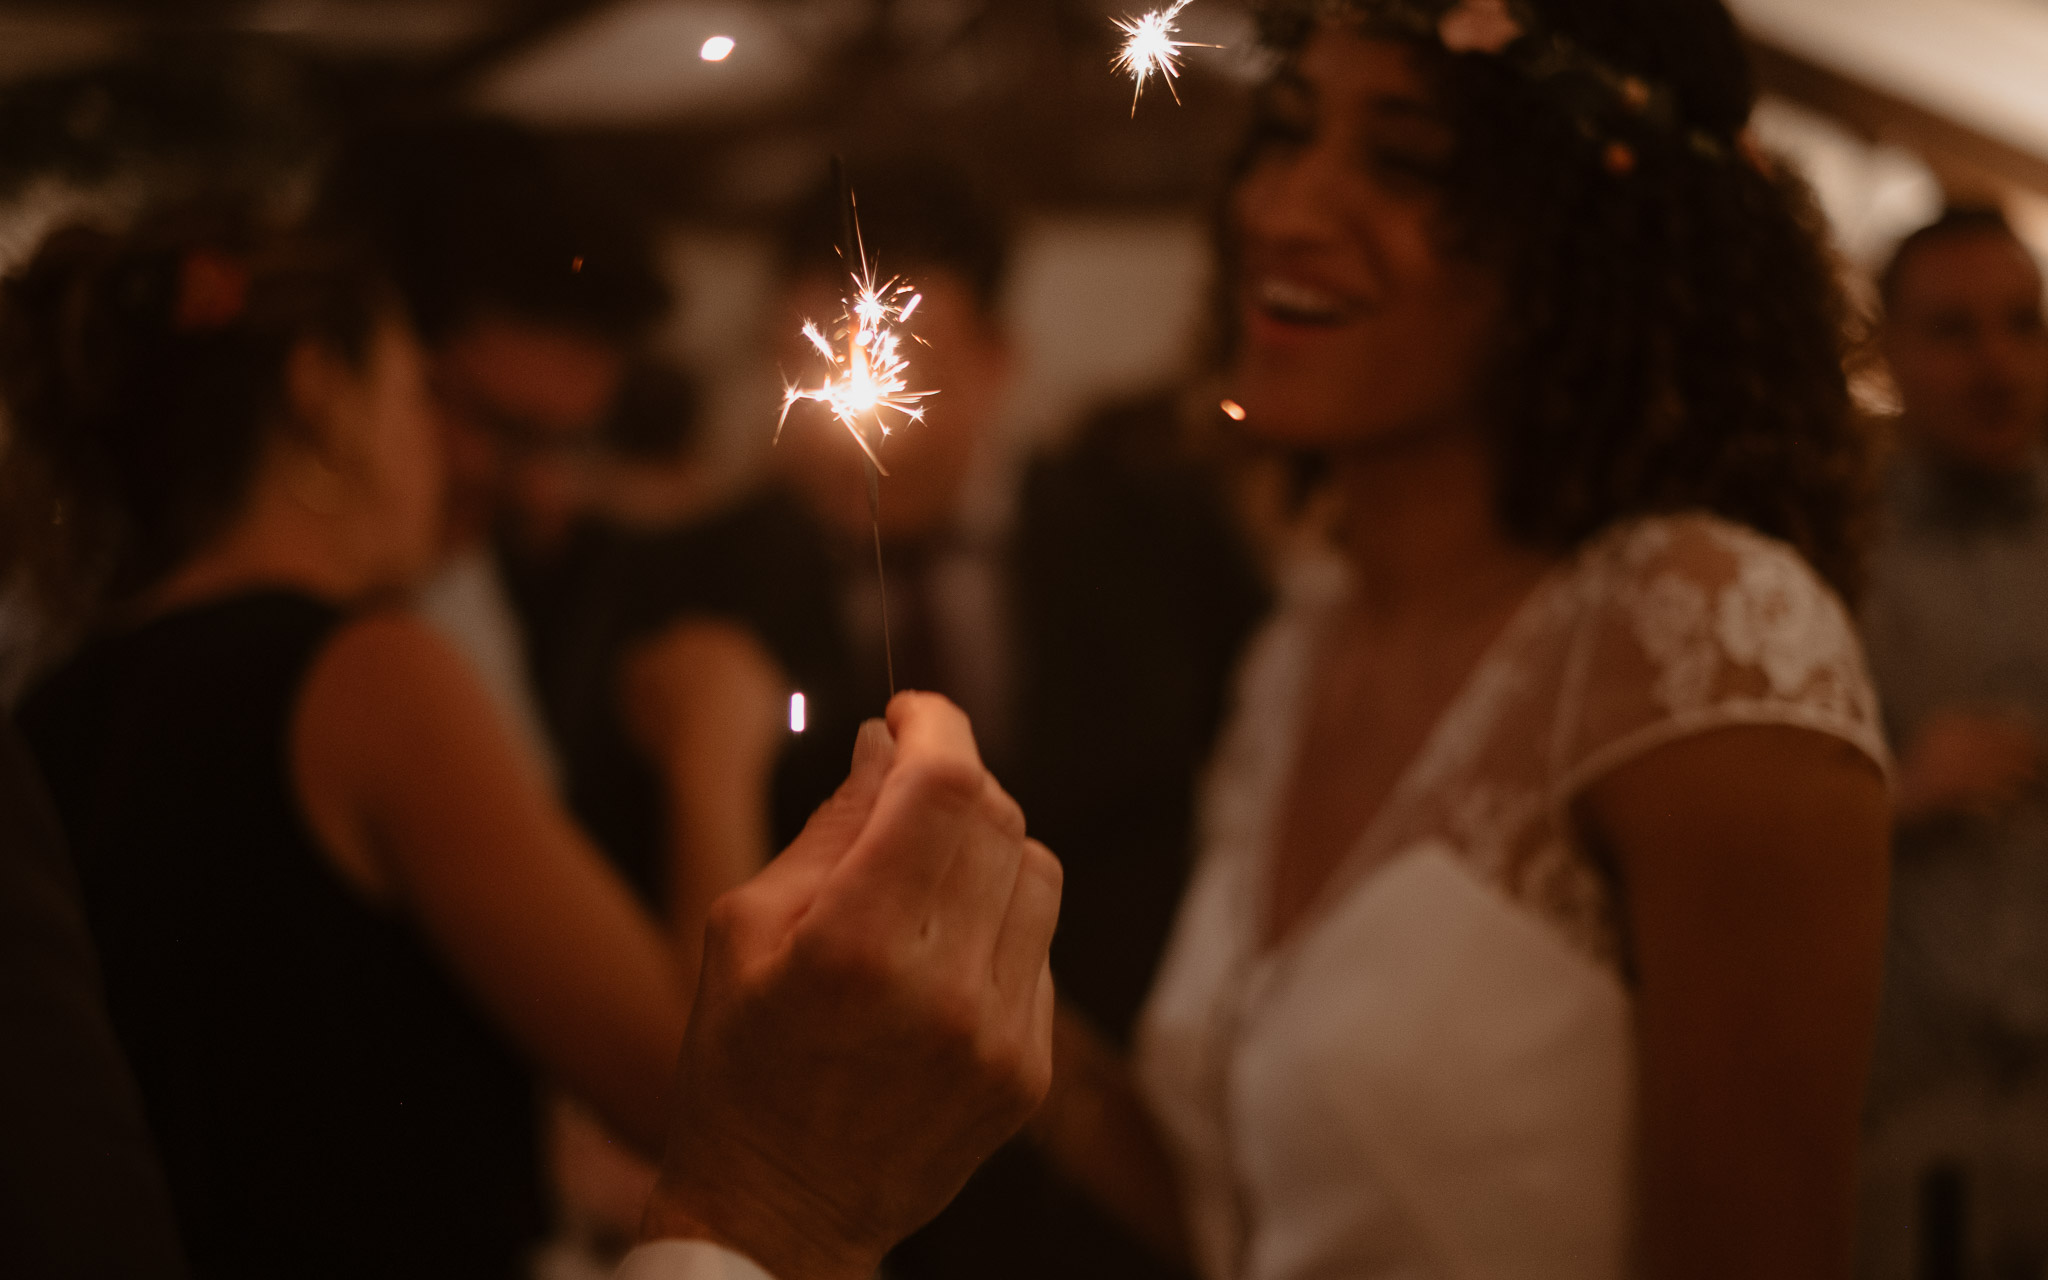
(1696, 623)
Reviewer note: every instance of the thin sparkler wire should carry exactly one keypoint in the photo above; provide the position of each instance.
(881, 576)
(854, 253)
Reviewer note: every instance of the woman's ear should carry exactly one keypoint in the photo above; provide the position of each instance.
(318, 384)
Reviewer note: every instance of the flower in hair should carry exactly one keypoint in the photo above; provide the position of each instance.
(212, 290)
(1478, 26)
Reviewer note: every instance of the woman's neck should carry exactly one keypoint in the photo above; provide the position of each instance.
(1417, 525)
(277, 542)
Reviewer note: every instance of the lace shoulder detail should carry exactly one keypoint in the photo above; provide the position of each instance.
(1693, 622)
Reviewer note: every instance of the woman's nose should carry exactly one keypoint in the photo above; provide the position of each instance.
(1292, 200)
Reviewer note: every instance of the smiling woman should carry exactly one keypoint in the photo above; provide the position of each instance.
(1664, 336)
(1536, 931)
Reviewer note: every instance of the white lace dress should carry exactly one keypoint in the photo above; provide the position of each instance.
(1433, 1075)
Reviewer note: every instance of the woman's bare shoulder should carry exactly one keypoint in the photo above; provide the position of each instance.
(392, 710)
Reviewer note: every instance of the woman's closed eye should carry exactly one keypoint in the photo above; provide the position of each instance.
(1285, 117)
(1277, 130)
(1405, 169)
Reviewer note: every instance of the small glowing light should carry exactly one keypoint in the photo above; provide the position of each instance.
(1232, 410)
(576, 264)
(797, 713)
(716, 49)
(1150, 49)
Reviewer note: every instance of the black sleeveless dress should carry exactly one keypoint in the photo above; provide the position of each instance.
(327, 1101)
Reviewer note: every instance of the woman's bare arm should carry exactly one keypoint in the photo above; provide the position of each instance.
(1095, 1130)
(422, 797)
(704, 701)
(1754, 861)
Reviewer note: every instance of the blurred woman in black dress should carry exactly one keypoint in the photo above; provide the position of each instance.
(341, 917)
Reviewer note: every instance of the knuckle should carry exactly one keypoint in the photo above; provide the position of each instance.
(1003, 810)
(1013, 1072)
(948, 783)
(1045, 864)
(726, 919)
(1034, 1081)
(996, 1059)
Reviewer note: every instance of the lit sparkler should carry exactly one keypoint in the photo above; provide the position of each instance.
(866, 379)
(1150, 49)
(867, 375)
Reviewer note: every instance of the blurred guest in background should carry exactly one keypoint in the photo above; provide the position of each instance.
(531, 292)
(1957, 629)
(640, 697)
(665, 723)
(341, 917)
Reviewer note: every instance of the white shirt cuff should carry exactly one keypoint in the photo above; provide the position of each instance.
(688, 1260)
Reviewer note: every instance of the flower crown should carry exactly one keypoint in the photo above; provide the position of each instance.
(1592, 88)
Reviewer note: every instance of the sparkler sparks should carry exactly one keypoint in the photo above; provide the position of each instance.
(867, 378)
(1150, 48)
(864, 382)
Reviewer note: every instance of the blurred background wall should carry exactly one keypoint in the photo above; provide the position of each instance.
(1888, 106)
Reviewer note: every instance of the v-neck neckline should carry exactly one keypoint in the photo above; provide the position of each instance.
(1344, 875)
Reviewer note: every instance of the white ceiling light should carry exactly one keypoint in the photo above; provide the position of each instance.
(648, 61)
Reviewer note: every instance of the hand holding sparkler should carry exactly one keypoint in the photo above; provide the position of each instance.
(1149, 48)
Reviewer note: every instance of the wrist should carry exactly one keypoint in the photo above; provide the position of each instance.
(780, 1236)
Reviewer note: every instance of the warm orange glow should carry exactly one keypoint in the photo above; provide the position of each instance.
(869, 377)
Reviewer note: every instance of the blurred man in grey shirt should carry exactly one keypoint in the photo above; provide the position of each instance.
(1956, 624)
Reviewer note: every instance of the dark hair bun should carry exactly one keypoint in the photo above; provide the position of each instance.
(140, 372)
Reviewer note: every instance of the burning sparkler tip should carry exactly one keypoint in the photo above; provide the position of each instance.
(1150, 49)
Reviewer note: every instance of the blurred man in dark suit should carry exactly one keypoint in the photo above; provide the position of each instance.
(1956, 626)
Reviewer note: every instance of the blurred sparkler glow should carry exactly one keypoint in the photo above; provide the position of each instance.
(716, 49)
(1150, 49)
(867, 377)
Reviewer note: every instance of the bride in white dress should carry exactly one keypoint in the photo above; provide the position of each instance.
(1536, 926)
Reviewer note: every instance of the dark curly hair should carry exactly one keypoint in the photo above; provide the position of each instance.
(1676, 331)
(142, 373)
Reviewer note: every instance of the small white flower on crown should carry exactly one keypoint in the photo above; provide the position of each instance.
(1478, 26)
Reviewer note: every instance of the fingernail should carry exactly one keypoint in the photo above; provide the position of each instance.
(874, 746)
